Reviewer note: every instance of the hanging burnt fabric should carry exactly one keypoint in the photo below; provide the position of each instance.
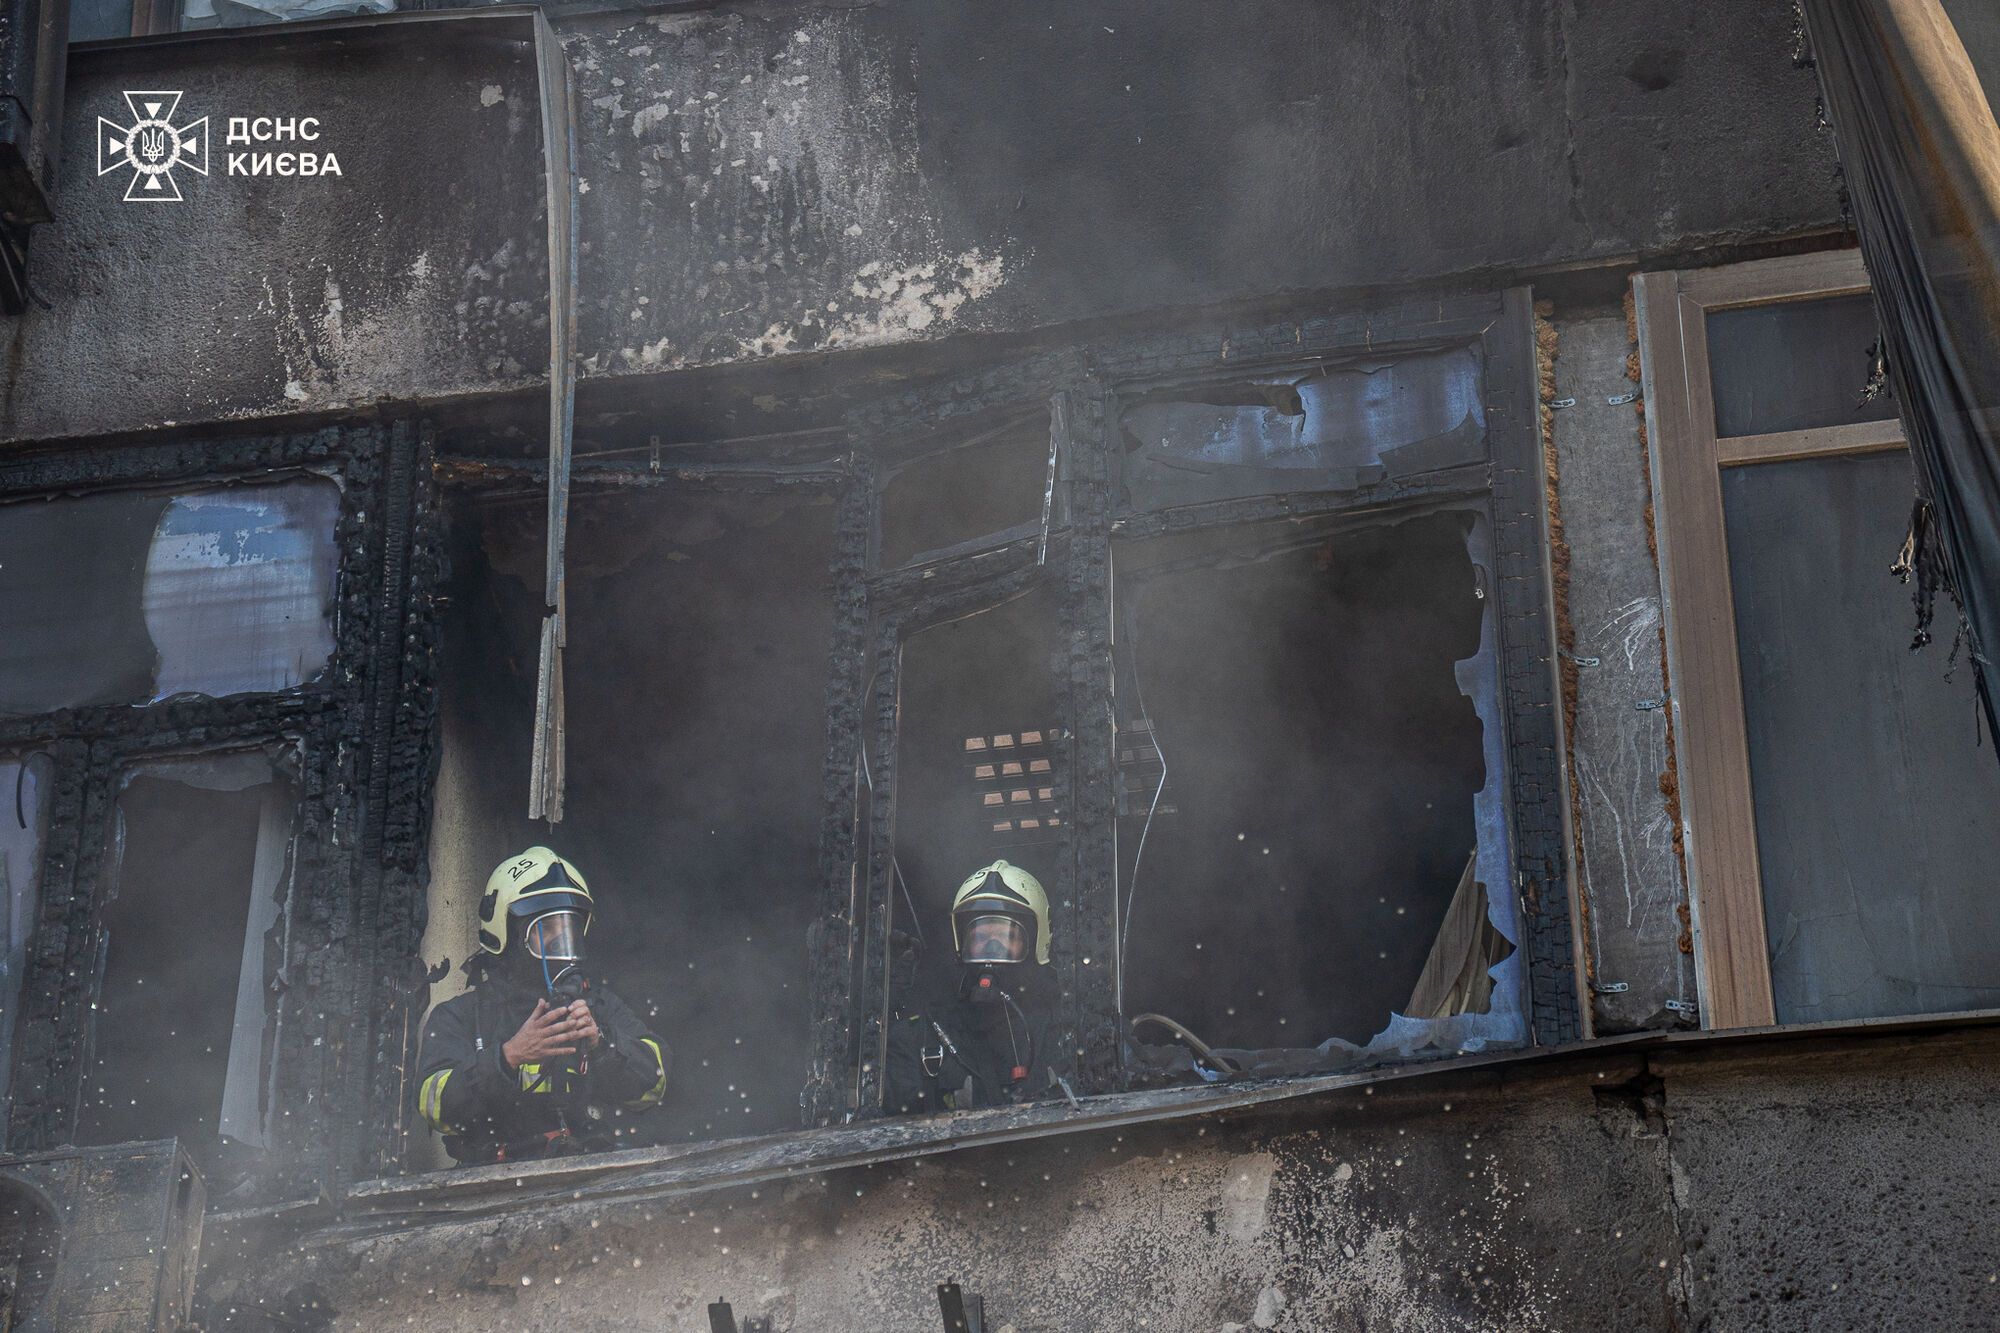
(558, 99)
(1921, 154)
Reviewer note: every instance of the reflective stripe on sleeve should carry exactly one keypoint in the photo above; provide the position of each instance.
(653, 1094)
(430, 1100)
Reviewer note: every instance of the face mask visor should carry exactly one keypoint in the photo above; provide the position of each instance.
(555, 937)
(993, 939)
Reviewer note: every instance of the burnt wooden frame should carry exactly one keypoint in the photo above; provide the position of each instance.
(1725, 886)
(361, 731)
(880, 607)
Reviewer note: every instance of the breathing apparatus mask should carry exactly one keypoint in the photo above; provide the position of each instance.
(990, 947)
(553, 943)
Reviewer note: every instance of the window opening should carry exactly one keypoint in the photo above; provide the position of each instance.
(1312, 883)
(980, 758)
(131, 597)
(985, 490)
(202, 868)
(695, 707)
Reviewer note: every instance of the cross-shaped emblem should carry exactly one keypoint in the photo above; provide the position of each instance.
(152, 146)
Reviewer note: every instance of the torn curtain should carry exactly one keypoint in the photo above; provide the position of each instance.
(1921, 154)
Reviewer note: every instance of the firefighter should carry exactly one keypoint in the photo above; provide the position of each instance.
(989, 1045)
(531, 1061)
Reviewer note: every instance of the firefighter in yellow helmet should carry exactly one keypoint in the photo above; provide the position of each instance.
(990, 1043)
(532, 1060)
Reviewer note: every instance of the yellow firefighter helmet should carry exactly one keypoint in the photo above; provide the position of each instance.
(999, 915)
(533, 884)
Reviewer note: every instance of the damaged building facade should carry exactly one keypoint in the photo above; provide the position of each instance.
(1384, 509)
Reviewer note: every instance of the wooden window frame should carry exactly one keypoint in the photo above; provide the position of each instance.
(1711, 745)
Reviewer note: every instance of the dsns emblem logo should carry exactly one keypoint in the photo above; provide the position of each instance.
(152, 146)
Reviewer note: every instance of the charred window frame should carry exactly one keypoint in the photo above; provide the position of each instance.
(356, 737)
(1070, 552)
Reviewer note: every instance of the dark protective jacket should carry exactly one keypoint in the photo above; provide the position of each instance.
(488, 1112)
(964, 1054)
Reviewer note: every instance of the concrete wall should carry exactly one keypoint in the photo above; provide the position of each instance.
(1833, 1183)
(773, 179)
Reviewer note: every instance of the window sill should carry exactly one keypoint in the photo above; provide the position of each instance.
(443, 1198)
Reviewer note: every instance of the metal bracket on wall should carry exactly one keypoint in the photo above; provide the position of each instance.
(1611, 987)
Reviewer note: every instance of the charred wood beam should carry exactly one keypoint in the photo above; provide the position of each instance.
(396, 836)
(508, 478)
(832, 939)
(189, 462)
(1414, 493)
(911, 587)
(1370, 330)
(174, 721)
(876, 906)
(1530, 693)
(1086, 951)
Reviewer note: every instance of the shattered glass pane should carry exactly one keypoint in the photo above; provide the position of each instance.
(992, 487)
(24, 786)
(131, 597)
(1793, 365)
(203, 869)
(1337, 428)
(239, 588)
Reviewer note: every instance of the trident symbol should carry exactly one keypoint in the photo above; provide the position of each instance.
(153, 143)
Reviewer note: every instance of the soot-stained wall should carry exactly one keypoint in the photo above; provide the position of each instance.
(1649, 1190)
(768, 179)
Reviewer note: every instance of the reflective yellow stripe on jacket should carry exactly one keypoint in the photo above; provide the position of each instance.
(653, 1094)
(430, 1100)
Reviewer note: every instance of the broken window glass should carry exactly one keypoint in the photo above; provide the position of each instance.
(983, 491)
(1794, 365)
(1328, 428)
(24, 792)
(695, 715)
(130, 597)
(1313, 857)
(1873, 794)
(191, 932)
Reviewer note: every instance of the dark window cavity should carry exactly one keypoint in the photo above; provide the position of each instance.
(1322, 877)
(980, 749)
(986, 488)
(134, 597)
(695, 705)
(191, 923)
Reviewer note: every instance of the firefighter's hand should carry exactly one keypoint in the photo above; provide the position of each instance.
(585, 1026)
(548, 1032)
